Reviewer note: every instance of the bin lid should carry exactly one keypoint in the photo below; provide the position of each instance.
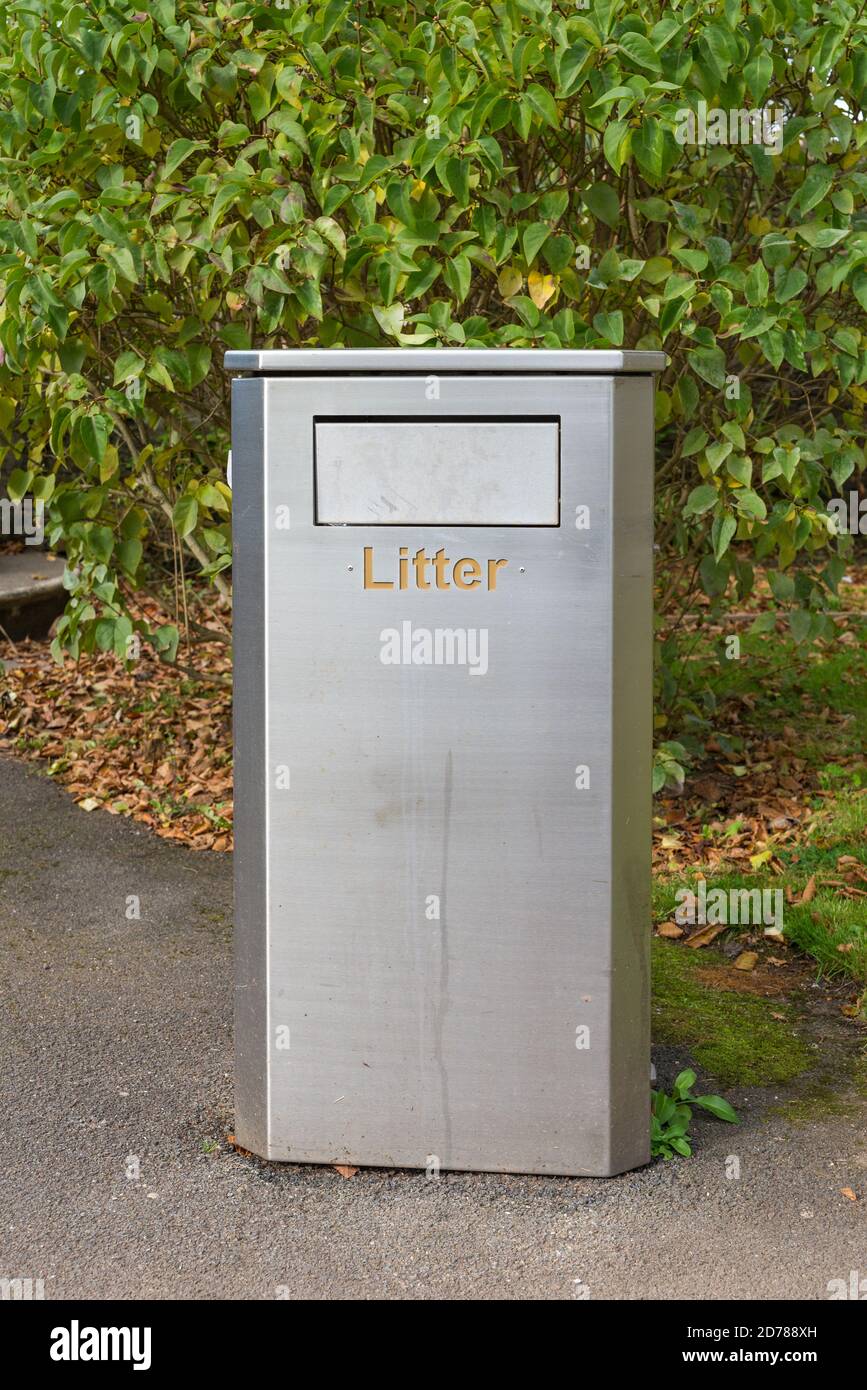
(491, 361)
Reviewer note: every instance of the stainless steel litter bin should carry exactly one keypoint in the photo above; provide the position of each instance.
(442, 573)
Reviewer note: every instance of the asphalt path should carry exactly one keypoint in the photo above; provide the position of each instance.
(117, 1180)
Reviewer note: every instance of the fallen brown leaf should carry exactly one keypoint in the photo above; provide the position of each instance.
(746, 960)
(232, 1142)
(705, 935)
(670, 929)
(344, 1170)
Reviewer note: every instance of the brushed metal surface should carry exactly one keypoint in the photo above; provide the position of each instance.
(493, 361)
(370, 1031)
(449, 472)
(250, 602)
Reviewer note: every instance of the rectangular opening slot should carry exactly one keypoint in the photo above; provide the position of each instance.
(473, 471)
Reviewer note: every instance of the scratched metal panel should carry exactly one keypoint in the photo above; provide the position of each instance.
(413, 1034)
(447, 473)
(632, 723)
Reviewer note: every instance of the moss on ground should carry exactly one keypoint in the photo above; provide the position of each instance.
(732, 1036)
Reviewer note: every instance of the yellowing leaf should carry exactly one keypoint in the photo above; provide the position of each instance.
(541, 288)
(109, 465)
(509, 282)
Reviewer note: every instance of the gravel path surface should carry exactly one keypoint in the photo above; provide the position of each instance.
(117, 1059)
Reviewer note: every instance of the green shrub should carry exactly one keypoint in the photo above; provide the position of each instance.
(184, 177)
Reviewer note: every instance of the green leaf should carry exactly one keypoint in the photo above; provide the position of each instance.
(710, 364)
(533, 239)
(700, 500)
(750, 504)
(457, 176)
(573, 65)
(457, 274)
(717, 453)
(559, 251)
(821, 237)
(616, 143)
(694, 441)
(178, 151)
(128, 366)
(165, 640)
(718, 1107)
(159, 373)
(817, 182)
(372, 171)
(789, 281)
(94, 431)
(641, 51)
(310, 297)
(333, 234)
(185, 514)
(603, 202)
(719, 250)
(756, 287)
(18, 483)
(294, 131)
(129, 555)
(758, 72)
(123, 262)
(740, 468)
(683, 1083)
(610, 325)
(721, 48)
(722, 533)
(714, 576)
(102, 280)
(99, 543)
(653, 150)
(390, 319)
(542, 102)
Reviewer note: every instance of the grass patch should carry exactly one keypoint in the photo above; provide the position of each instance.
(732, 1036)
(831, 929)
(843, 824)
